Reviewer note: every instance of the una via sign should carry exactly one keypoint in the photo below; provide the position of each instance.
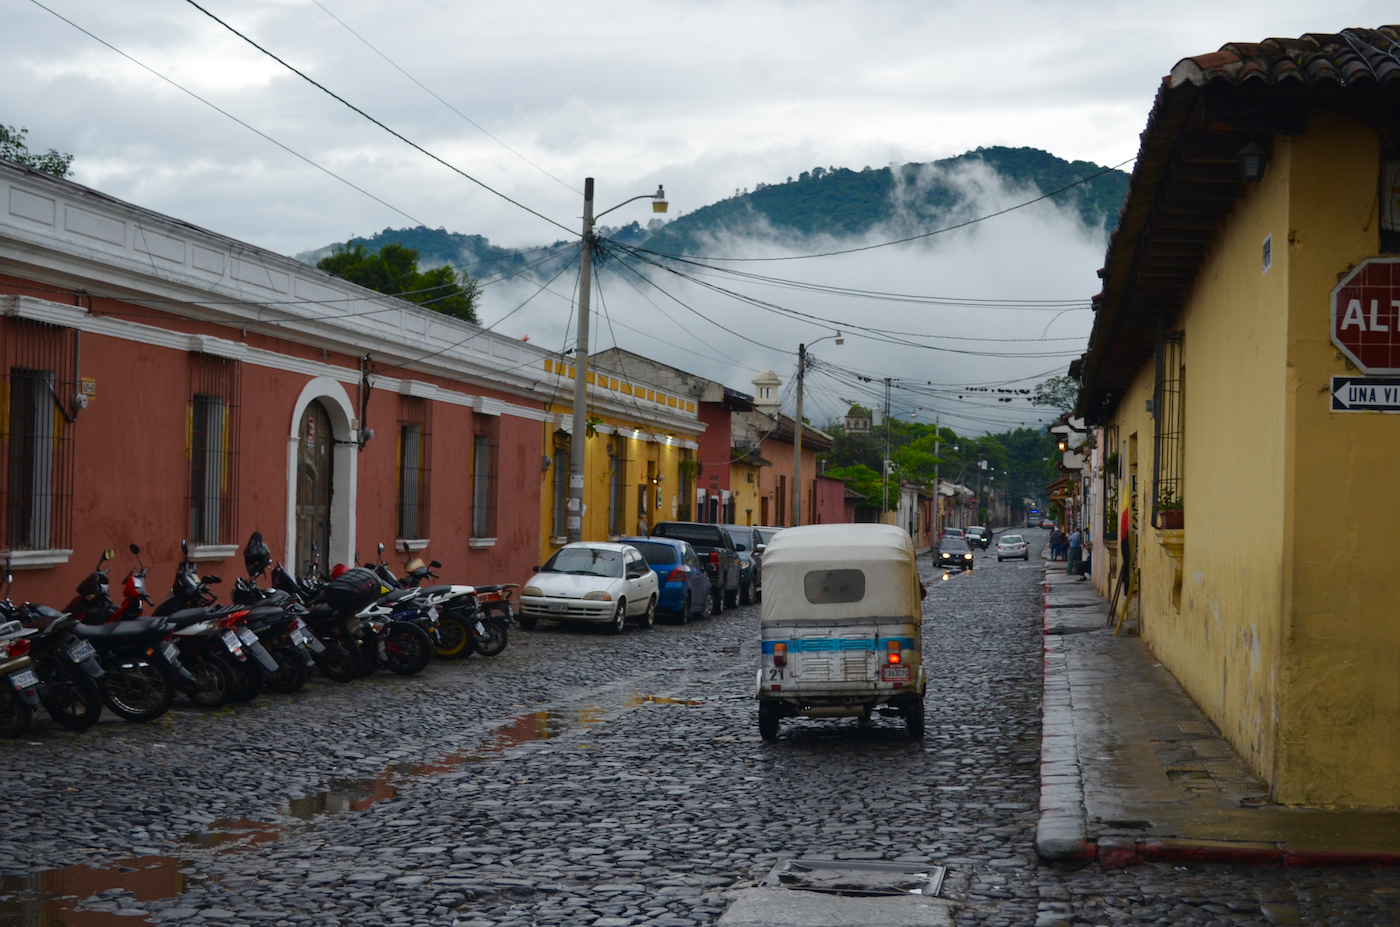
(1366, 394)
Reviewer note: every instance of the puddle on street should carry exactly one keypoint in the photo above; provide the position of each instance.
(638, 701)
(225, 832)
(341, 796)
(55, 897)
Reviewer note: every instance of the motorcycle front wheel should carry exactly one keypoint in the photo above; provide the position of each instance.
(136, 690)
(68, 693)
(408, 648)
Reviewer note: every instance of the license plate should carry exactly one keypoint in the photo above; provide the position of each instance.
(247, 637)
(893, 673)
(24, 679)
(231, 641)
(172, 653)
(298, 636)
(558, 607)
(80, 651)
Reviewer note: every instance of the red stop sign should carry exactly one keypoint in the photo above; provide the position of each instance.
(1366, 315)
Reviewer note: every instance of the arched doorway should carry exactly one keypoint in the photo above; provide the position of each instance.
(315, 479)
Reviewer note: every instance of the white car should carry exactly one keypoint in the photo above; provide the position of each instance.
(1011, 547)
(597, 583)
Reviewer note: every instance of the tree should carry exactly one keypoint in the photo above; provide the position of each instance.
(393, 269)
(1058, 393)
(865, 481)
(13, 148)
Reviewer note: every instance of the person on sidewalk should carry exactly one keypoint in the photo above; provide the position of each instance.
(1056, 536)
(1076, 552)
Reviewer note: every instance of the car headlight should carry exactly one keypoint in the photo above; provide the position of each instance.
(598, 597)
(967, 556)
(533, 590)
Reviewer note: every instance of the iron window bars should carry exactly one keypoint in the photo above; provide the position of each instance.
(212, 447)
(485, 454)
(617, 515)
(1168, 432)
(1112, 478)
(40, 369)
(415, 467)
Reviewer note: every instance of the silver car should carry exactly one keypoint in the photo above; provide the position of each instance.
(1012, 547)
(597, 583)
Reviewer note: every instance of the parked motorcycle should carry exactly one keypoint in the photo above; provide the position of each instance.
(67, 668)
(19, 694)
(276, 618)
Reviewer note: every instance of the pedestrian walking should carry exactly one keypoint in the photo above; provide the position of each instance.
(1055, 538)
(1075, 552)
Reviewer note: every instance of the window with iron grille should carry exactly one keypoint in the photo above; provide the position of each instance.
(687, 493)
(1112, 476)
(215, 387)
(415, 455)
(1169, 417)
(484, 467)
(617, 476)
(40, 368)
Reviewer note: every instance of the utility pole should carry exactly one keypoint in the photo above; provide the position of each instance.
(885, 464)
(577, 442)
(937, 497)
(796, 517)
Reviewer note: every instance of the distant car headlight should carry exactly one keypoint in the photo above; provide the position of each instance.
(533, 590)
(967, 556)
(598, 597)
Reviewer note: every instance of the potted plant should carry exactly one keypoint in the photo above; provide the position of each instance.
(1170, 509)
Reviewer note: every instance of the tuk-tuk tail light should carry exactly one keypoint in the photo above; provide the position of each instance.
(780, 654)
(892, 651)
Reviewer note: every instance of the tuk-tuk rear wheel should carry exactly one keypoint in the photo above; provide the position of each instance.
(768, 716)
(914, 719)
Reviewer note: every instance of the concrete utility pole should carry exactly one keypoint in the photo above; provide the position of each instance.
(937, 497)
(885, 464)
(577, 442)
(796, 516)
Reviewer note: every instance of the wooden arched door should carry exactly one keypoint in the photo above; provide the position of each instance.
(315, 463)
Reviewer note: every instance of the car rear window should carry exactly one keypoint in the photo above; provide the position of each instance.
(656, 554)
(702, 535)
(834, 587)
(1011, 539)
(741, 537)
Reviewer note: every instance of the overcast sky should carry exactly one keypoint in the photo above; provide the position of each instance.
(705, 97)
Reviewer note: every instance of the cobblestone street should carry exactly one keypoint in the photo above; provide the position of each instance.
(583, 779)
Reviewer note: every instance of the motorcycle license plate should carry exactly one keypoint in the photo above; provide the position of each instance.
(558, 607)
(80, 651)
(298, 636)
(231, 641)
(172, 653)
(24, 679)
(247, 637)
(894, 673)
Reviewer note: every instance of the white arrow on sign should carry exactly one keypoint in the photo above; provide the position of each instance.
(1366, 394)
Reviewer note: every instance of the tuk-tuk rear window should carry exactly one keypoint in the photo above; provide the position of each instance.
(834, 587)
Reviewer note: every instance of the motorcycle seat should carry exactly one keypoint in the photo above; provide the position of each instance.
(188, 616)
(435, 590)
(119, 633)
(320, 612)
(491, 588)
(398, 595)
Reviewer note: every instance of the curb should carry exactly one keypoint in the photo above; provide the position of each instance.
(1119, 853)
(1061, 832)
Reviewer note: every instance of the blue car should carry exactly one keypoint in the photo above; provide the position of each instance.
(681, 580)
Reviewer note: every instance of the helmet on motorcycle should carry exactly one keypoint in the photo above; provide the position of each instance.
(337, 570)
(256, 556)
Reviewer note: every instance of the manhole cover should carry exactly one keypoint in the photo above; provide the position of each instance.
(855, 878)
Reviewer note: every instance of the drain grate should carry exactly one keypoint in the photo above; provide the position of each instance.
(857, 879)
(1216, 749)
(1204, 728)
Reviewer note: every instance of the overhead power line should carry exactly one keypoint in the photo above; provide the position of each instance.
(403, 138)
(901, 241)
(430, 92)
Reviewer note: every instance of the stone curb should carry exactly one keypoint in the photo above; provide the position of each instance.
(1061, 833)
(1119, 853)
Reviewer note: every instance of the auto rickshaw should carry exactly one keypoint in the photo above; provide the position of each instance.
(842, 626)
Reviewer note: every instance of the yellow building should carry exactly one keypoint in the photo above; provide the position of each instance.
(1259, 510)
(637, 438)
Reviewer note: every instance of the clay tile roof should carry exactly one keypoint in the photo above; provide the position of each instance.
(1186, 179)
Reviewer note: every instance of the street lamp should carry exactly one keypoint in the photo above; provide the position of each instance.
(797, 429)
(574, 514)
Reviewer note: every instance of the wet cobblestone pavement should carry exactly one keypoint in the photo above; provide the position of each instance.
(582, 779)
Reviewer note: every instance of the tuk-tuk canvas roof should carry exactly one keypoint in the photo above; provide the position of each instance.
(884, 553)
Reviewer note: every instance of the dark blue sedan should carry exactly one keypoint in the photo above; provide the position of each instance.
(681, 580)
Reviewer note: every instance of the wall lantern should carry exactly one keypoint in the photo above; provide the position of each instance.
(1252, 159)
(1062, 445)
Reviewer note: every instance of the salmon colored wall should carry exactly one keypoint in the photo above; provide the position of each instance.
(715, 443)
(831, 500)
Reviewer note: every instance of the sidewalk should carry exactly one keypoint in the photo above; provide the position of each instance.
(1132, 771)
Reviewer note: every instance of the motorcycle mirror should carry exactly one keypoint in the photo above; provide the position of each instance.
(313, 547)
(435, 565)
(185, 548)
(534, 569)
(108, 554)
(381, 548)
(210, 579)
(135, 549)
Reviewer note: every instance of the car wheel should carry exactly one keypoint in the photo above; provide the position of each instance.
(718, 597)
(914, 720)
(684, 616)
(731, 599)
(619, 622)
(709, 610)
(768, 718)
(745, 595)
(648, 619)
(527, 622)
(757, 592)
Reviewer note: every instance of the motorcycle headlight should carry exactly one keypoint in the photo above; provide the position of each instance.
(532, 590)
(598, 597)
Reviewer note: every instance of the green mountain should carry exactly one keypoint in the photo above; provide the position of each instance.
(840, 202)
(833, 202)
